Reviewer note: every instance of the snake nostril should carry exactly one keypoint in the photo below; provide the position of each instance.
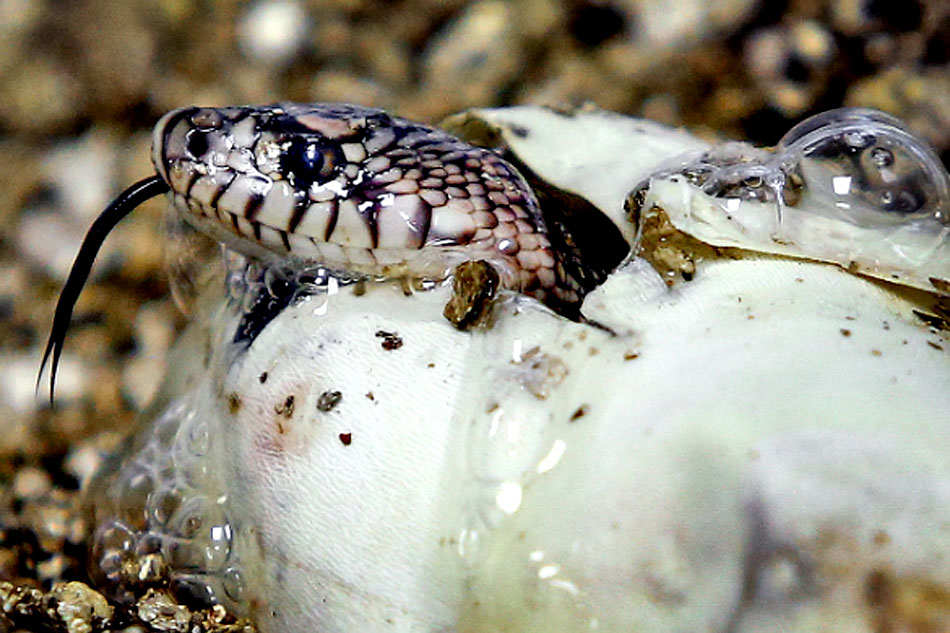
(196, 143)
(167, 139)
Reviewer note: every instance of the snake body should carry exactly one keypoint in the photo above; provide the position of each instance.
(356, 189)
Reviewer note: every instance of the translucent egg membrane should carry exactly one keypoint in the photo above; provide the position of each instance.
(163, 512)
(164, 515)
(850, 186)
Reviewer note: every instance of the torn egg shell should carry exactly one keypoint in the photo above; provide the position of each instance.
(851, 186)
(594, 153)
(757, 449)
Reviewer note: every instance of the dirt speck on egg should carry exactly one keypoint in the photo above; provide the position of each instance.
(391, 340)
(580, 412)
(541, 373)
(329, 399)
(286, 408)
(234, 403)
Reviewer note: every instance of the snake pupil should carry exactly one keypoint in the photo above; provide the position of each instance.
(304, 162)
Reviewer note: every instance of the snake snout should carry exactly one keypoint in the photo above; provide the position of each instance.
(168, 139)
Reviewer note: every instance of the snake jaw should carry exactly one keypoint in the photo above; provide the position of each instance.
(357, 190)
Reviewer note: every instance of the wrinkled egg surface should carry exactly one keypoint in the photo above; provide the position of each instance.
(718, 454)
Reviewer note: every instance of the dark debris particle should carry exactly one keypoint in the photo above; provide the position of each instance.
(845, 332)
(391, 340)
(286, 408)
(234, 403)
(935, 345)
(474, 286)
(940, 284)
(329, 399)
(933, 320)
(631, 356)
(370, 396)
(346, 438)
(262, 378)
(580, 412)
(877, 589)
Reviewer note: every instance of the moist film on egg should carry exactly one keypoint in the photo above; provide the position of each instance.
(851, 186)
(690, 456)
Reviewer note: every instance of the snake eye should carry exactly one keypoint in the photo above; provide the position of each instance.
(306, 161)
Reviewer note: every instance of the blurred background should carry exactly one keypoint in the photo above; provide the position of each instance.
(83, 81)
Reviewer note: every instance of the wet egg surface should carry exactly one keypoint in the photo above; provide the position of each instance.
(331, 453)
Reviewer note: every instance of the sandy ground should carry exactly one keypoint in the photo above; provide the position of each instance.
(84, 81)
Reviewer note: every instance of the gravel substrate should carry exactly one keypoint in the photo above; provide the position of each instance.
(84, 81)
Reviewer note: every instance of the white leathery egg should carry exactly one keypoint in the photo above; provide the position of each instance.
(744, 451)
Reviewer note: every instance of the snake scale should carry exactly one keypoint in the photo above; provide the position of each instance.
(351, 188)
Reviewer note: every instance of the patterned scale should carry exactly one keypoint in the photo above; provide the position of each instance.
(356, 189)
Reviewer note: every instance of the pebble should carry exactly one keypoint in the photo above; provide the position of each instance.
(273, 32)
(78, 606)
(483, 45)
(31, 483)
(160, 611)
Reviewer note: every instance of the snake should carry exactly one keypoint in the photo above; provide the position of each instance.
(348, 187)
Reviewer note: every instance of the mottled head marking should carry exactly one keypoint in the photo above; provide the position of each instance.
(354, 188)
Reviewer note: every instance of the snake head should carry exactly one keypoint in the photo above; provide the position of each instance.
(354, 189)
(348, 188)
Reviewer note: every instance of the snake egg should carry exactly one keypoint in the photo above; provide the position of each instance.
(738, 431)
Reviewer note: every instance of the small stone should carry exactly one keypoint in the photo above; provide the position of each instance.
(160, 611)
(31, 483)
(19, 601)
(473, 291)
(77, 606)
(391, 340)
(483, 45)
(328, 400)
(273, 31)
(152, 568)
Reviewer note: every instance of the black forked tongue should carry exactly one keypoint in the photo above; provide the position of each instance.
(118, 209)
